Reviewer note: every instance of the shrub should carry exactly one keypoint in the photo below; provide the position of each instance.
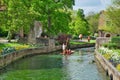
(62, 38)
(0, 50)
(110, 45)
(21, 47)
(118, 67)
(3, 33)
(7, 50)
(107, 56)
(75, 37)
(115, 40)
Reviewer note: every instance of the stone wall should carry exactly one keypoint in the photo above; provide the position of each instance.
(100, 41)
(7, 59)
(42, 41)
(45, 42)
(108, 67)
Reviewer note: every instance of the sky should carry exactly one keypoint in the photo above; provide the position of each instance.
(91, 5)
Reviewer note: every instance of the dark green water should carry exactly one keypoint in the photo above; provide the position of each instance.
(78, 66)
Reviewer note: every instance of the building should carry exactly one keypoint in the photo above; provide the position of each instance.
(104, 25)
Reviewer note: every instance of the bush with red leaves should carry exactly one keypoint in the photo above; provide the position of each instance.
(62, 38)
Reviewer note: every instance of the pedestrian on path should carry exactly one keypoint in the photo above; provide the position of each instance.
(80, 36)
(88, 38)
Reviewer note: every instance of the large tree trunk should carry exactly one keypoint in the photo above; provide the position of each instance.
(21, 32)
(9, 36)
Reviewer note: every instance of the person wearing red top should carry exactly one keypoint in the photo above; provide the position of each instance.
(88, 38)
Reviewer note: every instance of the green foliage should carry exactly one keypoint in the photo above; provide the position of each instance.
(79, 24)
(7, 50)
(50, 12)
(110, 45)
(74, 42)
(93, 19)
(115, 40)
(114, 44)
(4, 45)
(113, 13)
(3, 33)
(60, 22)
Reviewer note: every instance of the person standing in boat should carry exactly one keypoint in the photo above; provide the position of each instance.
(64, 48)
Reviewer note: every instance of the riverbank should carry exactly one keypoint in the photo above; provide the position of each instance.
(107, 66)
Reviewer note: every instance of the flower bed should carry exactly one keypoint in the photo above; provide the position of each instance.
(8, 50)
(112, 56)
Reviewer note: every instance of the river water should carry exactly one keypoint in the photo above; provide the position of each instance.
(78, 66)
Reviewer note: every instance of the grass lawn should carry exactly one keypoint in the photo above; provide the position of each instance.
(79, 42)
(74, 42)
(3, 45)
(92, 41)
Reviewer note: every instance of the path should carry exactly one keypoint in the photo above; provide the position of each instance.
(2, 40)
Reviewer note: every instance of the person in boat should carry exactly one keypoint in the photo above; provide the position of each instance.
(68, 51)
(63, 48)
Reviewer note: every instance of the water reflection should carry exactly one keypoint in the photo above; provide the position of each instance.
(37, 62)
(81, 66)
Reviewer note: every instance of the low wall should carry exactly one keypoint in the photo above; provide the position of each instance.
(100, 41)
(7, 59)
(108, 67)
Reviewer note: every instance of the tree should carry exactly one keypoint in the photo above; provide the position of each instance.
(56, 15)
(93, 19)
(79, 24)
(113, 13)
(19, 20)
(27, 11)
(61, 20)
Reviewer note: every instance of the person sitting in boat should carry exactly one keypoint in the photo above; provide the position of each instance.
(68, 52)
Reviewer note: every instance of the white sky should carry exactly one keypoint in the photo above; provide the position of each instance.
(91, 5)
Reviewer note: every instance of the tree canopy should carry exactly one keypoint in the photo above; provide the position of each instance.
(93, 19)
(56, 17)
(79, 24)
(21, 14)
(113, 13)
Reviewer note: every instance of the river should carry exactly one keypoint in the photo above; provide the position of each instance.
(80, 65)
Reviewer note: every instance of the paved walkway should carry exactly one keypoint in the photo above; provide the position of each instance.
(2, 40)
